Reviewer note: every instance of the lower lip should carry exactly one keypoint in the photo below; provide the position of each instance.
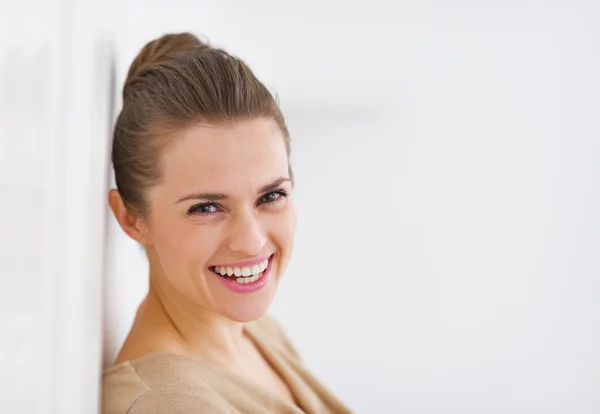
(247, 287)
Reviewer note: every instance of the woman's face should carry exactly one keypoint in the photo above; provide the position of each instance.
(222, 221)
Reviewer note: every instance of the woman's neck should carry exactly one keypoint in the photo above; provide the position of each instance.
(168, 321)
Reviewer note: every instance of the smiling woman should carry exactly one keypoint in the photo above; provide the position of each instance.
(201, 159)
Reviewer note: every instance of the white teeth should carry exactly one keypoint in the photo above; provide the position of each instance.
(245, 272)
(251, 279)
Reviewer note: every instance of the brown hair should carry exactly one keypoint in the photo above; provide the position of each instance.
(177, 81)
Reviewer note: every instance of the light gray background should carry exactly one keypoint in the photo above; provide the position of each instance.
(446, 154)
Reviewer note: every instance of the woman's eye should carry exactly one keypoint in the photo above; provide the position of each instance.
(203, 209)
(273, 197)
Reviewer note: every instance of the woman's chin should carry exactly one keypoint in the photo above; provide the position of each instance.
(247, 311)
(246, 306)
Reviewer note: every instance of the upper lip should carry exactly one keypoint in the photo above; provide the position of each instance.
(248, 263)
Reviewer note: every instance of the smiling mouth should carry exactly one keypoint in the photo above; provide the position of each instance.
(242, 275)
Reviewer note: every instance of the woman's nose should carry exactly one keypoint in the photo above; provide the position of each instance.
(247, 236)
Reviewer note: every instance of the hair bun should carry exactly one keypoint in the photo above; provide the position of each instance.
(158, 51)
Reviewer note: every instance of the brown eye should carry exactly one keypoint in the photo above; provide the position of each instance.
(205, 209)
(273, 197)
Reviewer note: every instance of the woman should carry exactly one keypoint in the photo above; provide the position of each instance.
(201, 158)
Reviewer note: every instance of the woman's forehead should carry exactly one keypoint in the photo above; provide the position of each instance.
(250, 153)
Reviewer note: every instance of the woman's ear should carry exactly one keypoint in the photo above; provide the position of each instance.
(132, 225)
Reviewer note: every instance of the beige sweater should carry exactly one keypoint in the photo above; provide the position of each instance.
(164, 382)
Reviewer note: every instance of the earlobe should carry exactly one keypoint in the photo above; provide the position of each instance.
(131, 224)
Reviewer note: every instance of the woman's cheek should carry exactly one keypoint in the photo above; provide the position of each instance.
(285, 229)
(203, 241)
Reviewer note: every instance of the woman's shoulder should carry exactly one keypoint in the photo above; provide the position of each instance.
(155, 384)
(121, 386)
(177, 400)
(163, 381)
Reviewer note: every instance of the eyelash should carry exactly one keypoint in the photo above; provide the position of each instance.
(193, 211)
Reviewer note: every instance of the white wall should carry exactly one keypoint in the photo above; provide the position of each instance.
(55, 96)
(446, 157)
(25, 118)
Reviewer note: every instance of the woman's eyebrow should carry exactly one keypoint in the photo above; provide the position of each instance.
(203, 196)
(273, 185)
(221, 196)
